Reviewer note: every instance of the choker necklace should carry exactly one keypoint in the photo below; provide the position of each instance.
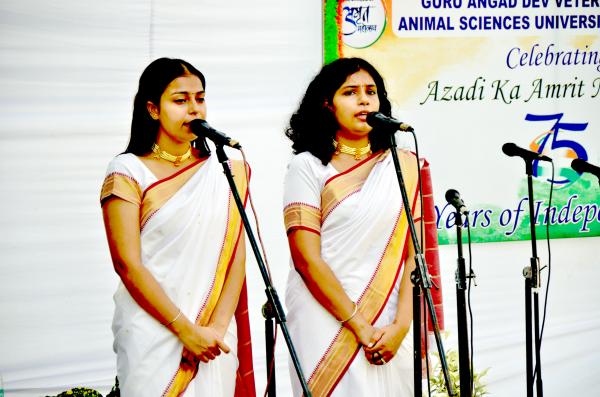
(356, 152)
(176, 160)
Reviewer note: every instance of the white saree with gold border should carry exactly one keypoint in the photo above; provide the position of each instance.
(190, 229)
(363, 231)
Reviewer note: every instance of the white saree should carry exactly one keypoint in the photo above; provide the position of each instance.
(190, 229)
(363, 232)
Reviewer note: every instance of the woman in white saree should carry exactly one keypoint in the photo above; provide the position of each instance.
(176, 241)
(350, 286)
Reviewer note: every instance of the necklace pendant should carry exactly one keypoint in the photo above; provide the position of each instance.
(356, 155)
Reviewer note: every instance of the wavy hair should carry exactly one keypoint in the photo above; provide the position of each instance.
(313, 126)
(153, 82)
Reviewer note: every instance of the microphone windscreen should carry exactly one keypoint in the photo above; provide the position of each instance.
(374, 118)
(451, 194)
(579, 165)
(509, 149)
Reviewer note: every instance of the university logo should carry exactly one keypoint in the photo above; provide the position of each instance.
(363, 22)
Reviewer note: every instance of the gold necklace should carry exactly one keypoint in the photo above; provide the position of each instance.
(176, 160)
(356, 152)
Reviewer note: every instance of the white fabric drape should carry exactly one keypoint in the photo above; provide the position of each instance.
(354, 236)
(68, 74)
(181, 245)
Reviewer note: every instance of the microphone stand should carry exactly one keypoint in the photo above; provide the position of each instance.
(421, 284)
(461, 314)
(268, 313)
(532, 284)
(272, 296)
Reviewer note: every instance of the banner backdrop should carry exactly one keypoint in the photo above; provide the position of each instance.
(471, 75)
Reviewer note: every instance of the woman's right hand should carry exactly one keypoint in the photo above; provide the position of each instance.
(203, 342)
(364, 332)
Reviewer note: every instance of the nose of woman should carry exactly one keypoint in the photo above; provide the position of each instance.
(194, 107)
(363, 98)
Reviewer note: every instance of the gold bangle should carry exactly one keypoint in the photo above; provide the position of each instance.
(175, 319)
(352, 315)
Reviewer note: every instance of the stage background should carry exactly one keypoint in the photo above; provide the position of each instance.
(68, 74)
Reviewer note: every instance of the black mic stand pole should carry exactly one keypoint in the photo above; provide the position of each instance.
(532, 283)
(464, 365)
(421, 284)
(272, 296)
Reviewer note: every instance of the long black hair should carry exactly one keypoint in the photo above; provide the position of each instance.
(153, 82)
(313, 126)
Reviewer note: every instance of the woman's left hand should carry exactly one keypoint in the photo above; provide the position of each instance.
(389, 339)
(219, 328)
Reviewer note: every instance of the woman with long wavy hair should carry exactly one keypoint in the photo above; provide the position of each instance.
(349, 294)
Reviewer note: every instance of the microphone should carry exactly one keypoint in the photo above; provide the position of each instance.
(376, 120)
(453, 198)
(582, 166)
(510, 149)
(202, 128)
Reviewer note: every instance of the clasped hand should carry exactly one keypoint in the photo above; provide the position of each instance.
(383, 344)
(203, 343)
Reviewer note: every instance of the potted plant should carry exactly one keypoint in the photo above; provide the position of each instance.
(438, 383)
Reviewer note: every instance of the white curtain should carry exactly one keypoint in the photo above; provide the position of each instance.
(68, 74)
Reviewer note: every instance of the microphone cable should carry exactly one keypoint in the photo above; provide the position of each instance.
(549, 266)
(262, 246)
(421, 229)
(271, 365)
(471, 276)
